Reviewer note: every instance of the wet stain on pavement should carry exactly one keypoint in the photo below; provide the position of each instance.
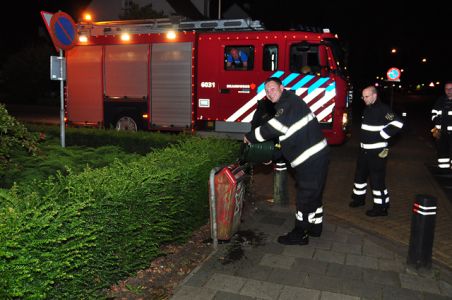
(241, 240)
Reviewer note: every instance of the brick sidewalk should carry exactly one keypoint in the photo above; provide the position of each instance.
(344, 263)
(356, 257)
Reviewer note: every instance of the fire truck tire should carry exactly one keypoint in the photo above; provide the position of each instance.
(126, 123)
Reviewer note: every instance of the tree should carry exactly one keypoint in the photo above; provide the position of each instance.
(135, 12)
(13, 137)
(186, 9)
(26, 77)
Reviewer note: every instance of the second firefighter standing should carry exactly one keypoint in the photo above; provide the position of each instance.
(379, 124)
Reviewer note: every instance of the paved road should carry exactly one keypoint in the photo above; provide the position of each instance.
(356, 257)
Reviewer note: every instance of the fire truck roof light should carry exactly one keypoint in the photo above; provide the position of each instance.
(326, 30)
(125, 37)
(87, 17)
(83, 39)
(171, 35)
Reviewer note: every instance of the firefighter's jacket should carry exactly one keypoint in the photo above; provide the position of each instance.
(379, 123)
(442, 114)
(299, 132)
(264, 112)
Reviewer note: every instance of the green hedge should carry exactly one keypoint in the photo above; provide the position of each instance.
(75, 235)
(51, 158)
(84, 147)
(140, 142)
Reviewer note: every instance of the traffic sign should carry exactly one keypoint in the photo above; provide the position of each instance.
(393, 74)
(63, 30)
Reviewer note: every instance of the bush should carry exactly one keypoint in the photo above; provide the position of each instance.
(140, 142)
(52, 158)
(14, 137)
(72, 236)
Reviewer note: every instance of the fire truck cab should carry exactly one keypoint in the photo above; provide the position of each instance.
(199, 75)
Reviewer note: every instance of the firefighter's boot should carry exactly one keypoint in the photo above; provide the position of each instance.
(377, 211)
(357, 203)
(357, 200)
(297, 236)
(315, 230)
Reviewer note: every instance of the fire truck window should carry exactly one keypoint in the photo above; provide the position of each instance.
(270, 58)
(304, 58)
(238, 58)
(339, 53)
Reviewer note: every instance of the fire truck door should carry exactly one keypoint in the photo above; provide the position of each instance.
(237, 88)
(171, 84)
(125, 85)
(84, 85)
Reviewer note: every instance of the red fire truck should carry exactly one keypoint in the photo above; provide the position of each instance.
(165, 75)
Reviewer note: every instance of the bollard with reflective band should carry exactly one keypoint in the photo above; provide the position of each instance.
(422, 231)
(280, 191)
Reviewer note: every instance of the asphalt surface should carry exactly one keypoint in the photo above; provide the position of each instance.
(39, 114)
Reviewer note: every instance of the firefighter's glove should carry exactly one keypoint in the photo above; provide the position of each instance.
(383, 153)
(436, 133)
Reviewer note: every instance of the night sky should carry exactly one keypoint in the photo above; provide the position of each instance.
(416, 31)
(369, 29)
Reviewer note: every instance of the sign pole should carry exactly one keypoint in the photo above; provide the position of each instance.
(391, 90)
(62, 100)
(63, 32)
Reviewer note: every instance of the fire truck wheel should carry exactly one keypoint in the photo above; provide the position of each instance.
(126, 123)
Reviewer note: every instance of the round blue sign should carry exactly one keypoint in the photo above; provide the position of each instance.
(63, 30)
(393, 74)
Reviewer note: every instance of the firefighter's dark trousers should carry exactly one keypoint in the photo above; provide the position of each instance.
(444, 147)
(310, 179)
(370, 166)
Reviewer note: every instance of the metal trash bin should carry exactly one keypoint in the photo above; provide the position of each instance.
(227, 191)
(422, 231)
(257, 152)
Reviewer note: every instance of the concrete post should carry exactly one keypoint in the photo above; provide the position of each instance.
(280, 178)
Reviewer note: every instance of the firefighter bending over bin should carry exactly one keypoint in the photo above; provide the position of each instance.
(304, 146)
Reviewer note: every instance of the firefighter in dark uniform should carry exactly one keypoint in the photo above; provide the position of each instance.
(379, 123)
(442, 132)
(305, 148)
(264, 112)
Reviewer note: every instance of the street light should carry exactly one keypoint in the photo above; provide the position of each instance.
(393, 50)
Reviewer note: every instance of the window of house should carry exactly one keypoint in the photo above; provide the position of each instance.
(238, 58)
